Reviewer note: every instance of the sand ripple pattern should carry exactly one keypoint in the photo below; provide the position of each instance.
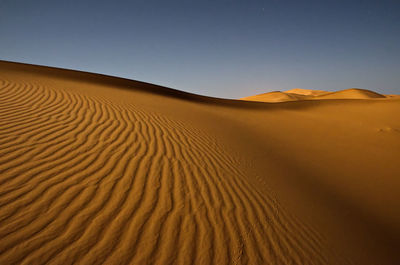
(88, 181)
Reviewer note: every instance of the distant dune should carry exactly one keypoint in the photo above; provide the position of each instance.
(276, 96)
(308, 94)
(103, 170)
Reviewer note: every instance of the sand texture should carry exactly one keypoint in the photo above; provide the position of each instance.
(103, 170)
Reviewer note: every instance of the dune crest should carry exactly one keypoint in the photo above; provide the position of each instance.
(276, 96)
(306, 92)
(101, 170)
(352, 93)
(309, 94)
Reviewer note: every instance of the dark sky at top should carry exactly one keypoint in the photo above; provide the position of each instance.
(218, 48)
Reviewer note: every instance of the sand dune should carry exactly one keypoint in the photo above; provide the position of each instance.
(352, 93)
(103, 170)
(308, 94)
(276, 96)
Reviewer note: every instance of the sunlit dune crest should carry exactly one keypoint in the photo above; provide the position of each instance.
(308, 94)
(103, 170)
(275, 96)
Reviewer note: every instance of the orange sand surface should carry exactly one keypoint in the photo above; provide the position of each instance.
(103, 170)
(308, 94)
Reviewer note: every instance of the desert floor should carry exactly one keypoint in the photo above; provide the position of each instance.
(103, 170)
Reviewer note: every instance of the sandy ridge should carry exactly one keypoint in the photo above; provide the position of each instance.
(115, 184)
(308, 94)
(101, 170)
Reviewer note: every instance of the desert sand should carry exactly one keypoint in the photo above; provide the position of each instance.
(308, 94)
(103, 170)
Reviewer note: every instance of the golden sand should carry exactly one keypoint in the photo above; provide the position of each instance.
(308, 94)
(104, 170)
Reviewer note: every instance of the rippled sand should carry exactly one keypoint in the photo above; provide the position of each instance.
(103, 170)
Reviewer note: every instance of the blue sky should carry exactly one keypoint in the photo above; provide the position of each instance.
(227, 49)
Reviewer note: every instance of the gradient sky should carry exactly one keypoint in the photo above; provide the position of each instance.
(227, 49)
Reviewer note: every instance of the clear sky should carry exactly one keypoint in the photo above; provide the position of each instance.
(217, 48)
